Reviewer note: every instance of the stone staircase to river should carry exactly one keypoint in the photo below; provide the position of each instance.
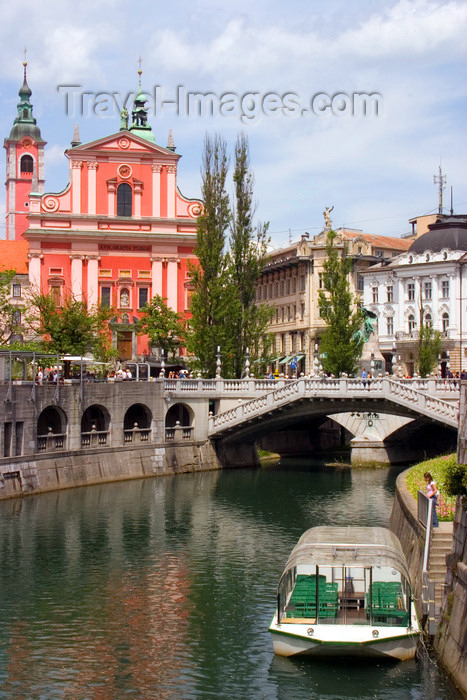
(441, 544)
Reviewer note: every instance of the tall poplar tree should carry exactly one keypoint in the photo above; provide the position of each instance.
(209, 277)
(248, 321)
(341, 342)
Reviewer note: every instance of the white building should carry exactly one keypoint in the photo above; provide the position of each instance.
(430, 279)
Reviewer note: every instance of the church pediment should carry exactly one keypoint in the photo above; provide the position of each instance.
(124, 142)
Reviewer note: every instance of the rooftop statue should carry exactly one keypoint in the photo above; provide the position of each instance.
(327, 217)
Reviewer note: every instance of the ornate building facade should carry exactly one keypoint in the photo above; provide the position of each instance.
(428, 282)
(119, 233)
(292, 280)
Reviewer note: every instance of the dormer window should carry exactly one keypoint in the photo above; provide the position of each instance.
(124, 200)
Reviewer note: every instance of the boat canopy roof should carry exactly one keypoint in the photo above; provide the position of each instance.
(348, 546)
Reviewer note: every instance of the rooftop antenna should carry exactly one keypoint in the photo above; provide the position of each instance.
(290, 237)
(440, 180)
(452, 209)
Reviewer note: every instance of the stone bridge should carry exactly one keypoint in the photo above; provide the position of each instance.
(405, 404)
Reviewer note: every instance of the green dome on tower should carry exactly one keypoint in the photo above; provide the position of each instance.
(25, 124)
(139, 115)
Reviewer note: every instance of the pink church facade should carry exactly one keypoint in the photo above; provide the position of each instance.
(119, 233)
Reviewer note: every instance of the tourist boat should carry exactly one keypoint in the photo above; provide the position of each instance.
(345, 591)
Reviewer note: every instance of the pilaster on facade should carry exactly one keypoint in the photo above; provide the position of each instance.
(92, 166)
(93, 279)
(156, 169)
(171, 175)
(35, 260)
(156, 275)
(76, 167)
(77, 276)
(172, 282)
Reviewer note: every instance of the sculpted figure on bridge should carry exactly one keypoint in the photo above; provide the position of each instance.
(368, 326)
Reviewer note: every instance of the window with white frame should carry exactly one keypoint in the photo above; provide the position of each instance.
(16, 290)
(445, 289)
(390, 325)
(412, 323)
(390, 293)
(360, 283)
(445, 322)
(374, 292)
(411, 291)
(428, 320)
(427, 290)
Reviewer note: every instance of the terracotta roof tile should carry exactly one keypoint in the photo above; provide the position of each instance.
(13, 256)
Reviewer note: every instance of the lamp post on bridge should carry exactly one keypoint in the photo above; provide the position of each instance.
(218, 362)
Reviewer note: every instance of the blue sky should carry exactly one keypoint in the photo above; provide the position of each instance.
(377, 171)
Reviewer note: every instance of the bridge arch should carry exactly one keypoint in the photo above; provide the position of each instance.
(137, 423)
(51, 429)
(179, 413)
(95, 416)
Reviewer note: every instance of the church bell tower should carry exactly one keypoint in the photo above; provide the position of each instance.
(24, 164)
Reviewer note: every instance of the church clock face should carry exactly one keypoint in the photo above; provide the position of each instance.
(124, 171)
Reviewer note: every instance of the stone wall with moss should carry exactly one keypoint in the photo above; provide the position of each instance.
(451, 639)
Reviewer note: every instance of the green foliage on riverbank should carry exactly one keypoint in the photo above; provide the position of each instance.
(438, 468)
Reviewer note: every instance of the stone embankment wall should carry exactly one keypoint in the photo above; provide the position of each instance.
(29, 475)
(451, 639)
(404, 523)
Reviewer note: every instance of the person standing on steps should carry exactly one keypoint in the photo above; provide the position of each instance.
(432, 493)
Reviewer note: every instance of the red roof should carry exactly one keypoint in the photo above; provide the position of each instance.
(378, 241)
(14, 256)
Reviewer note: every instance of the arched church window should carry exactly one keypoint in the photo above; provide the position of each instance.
(27, 164)
(445, 322)
(25, 113)
(124, 200)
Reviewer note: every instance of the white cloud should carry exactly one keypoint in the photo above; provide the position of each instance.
(412, 52)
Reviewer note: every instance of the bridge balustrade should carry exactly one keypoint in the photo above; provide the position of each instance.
(50, 442)
(136, 435)
(178, 432)
(94, 438)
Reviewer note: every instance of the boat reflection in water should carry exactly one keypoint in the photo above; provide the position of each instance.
(345, 591)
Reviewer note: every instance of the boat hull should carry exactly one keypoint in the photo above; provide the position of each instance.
(342, 640)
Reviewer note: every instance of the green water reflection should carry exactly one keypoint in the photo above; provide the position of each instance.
(164, 588)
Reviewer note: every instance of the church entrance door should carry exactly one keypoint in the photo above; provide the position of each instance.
(125, 344)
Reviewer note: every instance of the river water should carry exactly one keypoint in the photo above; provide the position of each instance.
(164, 588)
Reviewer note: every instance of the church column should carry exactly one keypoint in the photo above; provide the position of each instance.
(76, 166)
(92, 168)
(171, 171)
(93, 284)
(77, 277)
(138, 189)
(35, 271)
(111, 197)
(156, 276)
(156, 189)
(172, 283)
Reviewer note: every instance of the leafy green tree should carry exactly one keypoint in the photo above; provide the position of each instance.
(209, 279)
(10, 321)
(164, 326)
(341, 343)
(429, 348)
(73, 328)
(248, 321)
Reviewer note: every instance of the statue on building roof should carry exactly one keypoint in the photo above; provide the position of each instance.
(327, 217)
(124, 119)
